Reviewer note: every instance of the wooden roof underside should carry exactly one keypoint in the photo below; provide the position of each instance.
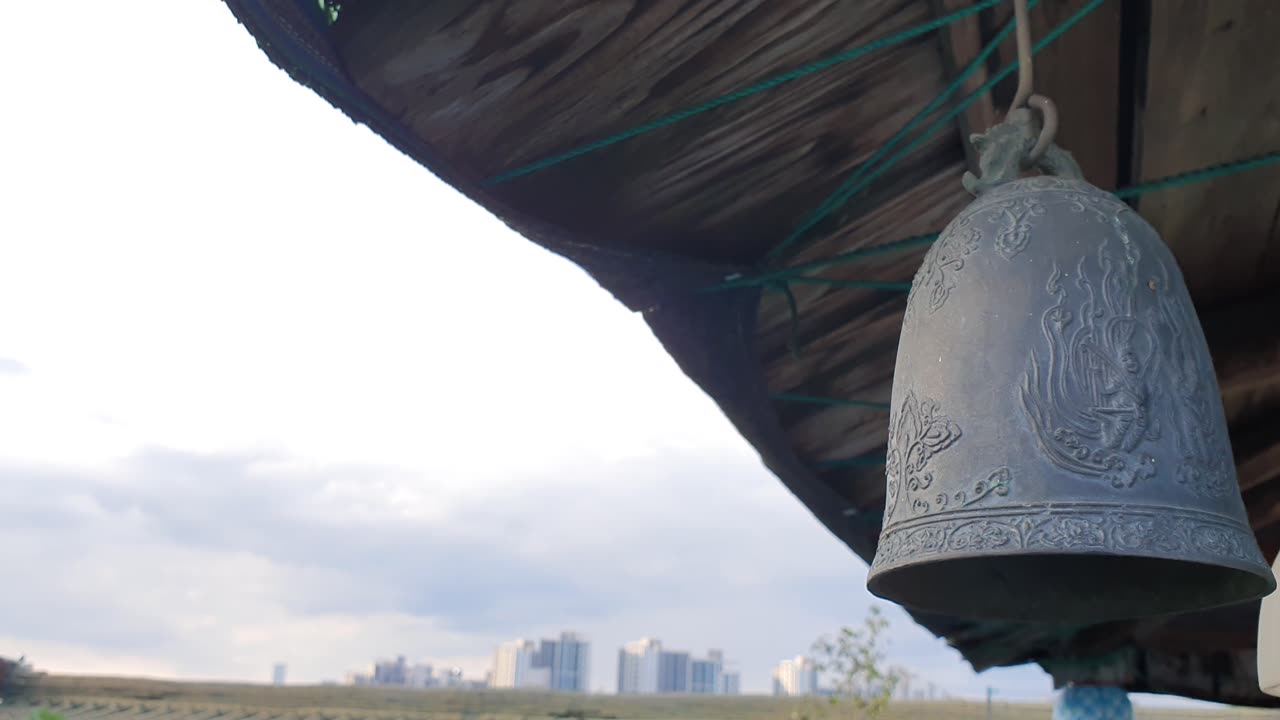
(473, 88)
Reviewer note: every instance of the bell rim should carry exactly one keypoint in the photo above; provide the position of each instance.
(1202, 543)
(1096, 598)
(1123, 529)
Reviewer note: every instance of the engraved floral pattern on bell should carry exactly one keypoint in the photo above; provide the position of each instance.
(1056, 423)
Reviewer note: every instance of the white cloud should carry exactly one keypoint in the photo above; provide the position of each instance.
(288, 397)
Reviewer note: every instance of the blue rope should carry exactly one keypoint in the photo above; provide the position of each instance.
(736, 95)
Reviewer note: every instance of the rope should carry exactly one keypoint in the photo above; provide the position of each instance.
(1195, 176)
(329, 10)
(842, 282)
(869, 460)
(794, 271)
(793, 342)
(842, 195)
(741, 93)
(781, 276)
(868, 170)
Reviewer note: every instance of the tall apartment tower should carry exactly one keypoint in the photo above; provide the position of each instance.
(513, 667)
(638, 666)
(798, 676)
(673, 672)
(570, 663)
(705, 675)
(560, 665)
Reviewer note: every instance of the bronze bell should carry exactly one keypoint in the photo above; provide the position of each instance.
(1057, 445)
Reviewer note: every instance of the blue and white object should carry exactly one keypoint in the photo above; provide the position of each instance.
(1093, 702)
(1269, 643)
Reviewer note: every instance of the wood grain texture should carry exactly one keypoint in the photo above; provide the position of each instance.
(492, 85)
(1213, 95)
(514, 82)
(961, 43)
(1080, 73)
(1245, 344)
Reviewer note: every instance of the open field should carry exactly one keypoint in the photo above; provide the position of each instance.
(85, 698)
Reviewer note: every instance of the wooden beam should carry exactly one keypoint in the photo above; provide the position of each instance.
(493, 85)
(1135, 46)
(1263, 505)
(960, 43)
(1080, 72)
(1245, 343)
(1258, 455)
(1213, 76)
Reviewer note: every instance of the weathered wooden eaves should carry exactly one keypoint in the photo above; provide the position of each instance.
(473, 89)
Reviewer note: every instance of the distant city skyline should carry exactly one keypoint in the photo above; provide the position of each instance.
(644, 668)
(330, 487)
(561, 665)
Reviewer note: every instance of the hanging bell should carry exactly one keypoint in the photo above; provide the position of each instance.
(1057, 444)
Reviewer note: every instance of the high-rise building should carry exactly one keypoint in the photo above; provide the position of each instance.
(419, 676)
(390, 672)
(545, 655)
(638, 664)
(798, 676)
(704, 675)
(673, 672)
(570, 663)
(560, 665)
(277, 674)
(513, 666)
(730, 684)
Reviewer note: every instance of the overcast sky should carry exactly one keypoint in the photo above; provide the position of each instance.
(269, 391)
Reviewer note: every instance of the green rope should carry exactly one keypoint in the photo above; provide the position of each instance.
(329, 9)
(1195, 176)
(793, 337)
(842, 282)
(833, 402)
(795, 271)
(783, 276)
(869, 170)
(848, 190)
(742, 93)
(870, 460)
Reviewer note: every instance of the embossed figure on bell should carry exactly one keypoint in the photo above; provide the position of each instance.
(1057, 445)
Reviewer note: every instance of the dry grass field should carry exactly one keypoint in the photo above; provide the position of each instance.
(86, 698)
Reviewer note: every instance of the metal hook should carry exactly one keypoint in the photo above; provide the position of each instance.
(1022, 26)
(1048, 128)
